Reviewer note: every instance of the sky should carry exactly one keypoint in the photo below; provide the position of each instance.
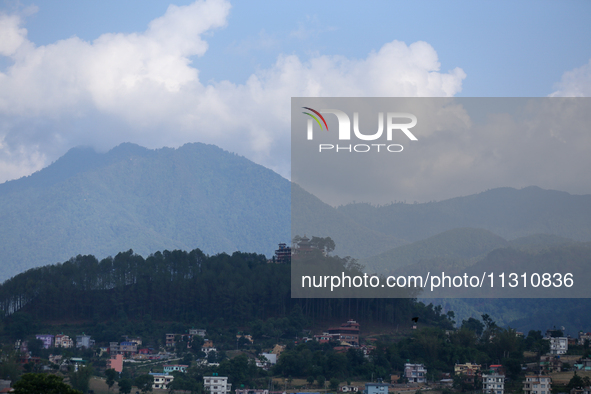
(158, 74)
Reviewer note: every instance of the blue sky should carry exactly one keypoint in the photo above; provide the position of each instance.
(507, 48)
(101, 73)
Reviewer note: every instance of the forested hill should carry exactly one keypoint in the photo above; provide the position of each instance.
(148, 200)
(188, 287)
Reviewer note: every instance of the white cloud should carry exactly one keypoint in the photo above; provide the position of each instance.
(575, 83)
(141, 87)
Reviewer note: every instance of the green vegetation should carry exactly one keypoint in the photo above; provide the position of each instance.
(195, 196)
(35, 383)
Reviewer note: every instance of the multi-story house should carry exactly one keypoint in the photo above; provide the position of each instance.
(467, 369)
(161, 381)
(84, 341)
(415, 373)
(347, 332)
(128, 348)
(198, 331)
(537, 384)
(114, 347)
(216, 384)
(64, 341)
(558, 345)
(115, 362)
(493, 383)
(170, 342)
(47, 340)
(376, 388)
(208, 347)
(584, 336)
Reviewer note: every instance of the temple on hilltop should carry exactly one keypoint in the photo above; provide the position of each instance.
(301, 247)
(283, 254)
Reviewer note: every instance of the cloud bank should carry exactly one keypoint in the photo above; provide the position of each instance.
(575, 83)
(144, 87)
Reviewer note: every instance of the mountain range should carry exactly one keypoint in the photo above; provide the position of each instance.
(200, 196)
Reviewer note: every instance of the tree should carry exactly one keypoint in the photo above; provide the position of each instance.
(473, 325)
(576, 381)
(124, 386)
(321, 379)
(310, 380)
(35, 383)
(35, 346)
(334, 383)
(111, 375)
(144, 382)
(81, 378)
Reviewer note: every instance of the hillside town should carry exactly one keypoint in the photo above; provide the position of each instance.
(557, 369)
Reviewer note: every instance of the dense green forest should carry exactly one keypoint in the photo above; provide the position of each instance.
(185, 287)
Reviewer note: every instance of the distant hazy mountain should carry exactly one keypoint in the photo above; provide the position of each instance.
(196, 196)
(312, 217)
(506, 212)
(457, 248)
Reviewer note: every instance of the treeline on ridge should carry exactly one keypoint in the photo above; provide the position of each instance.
(188, 287)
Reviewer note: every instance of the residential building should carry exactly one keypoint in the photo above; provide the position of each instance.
(265, 360)
(467, 369)
(376, 388)
(114, 348)
(551, 364)
(348, 332)
(216, 384)
(558, 345)
(415, 373)
(84, 341)
(115, 362)
(493, 382)
(128, 348)
(161, 381)
(584, 336)
(170, 342)
(198, 331)
(208, 347)
(583, 364)
(467, 372)
(168, 369)
(47, 340)
(137, 341)
(537, 384)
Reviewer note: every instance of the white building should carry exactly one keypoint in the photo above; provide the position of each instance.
(197, 331)
(216, 384)
(161, 381)
(558, 345)
(493, 383)
(84, 341)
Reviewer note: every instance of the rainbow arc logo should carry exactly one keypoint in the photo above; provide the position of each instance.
(315, 118)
